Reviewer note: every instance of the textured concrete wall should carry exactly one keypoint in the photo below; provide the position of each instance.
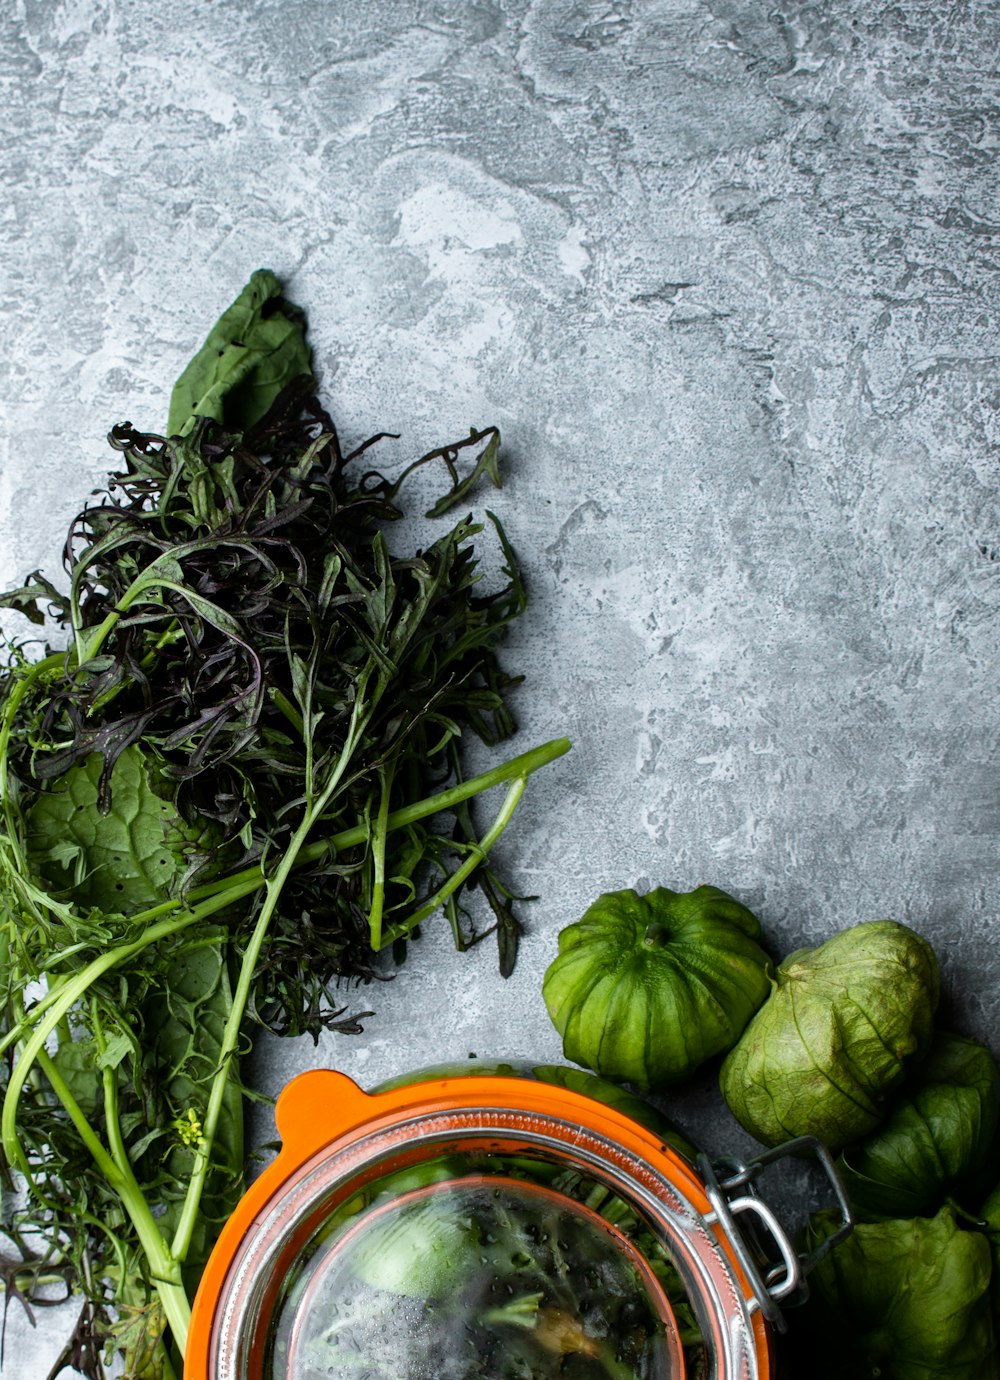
(725, 276)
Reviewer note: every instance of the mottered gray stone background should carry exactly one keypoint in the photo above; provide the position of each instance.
(725, 276)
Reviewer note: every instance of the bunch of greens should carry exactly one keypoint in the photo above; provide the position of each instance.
(238, 781)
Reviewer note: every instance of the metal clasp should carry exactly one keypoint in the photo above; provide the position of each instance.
(774, 1269)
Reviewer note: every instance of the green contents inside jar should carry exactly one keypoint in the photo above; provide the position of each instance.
(484, 1268)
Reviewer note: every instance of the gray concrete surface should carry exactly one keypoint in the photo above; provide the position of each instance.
(724, 274)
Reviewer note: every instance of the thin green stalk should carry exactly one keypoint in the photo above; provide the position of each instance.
(477, 852)
(241, 996)
(109, 1077)
(148, 578)
(522, 765)
(163, 1269)
(86, 1132)
(281, 701)
(379, 834)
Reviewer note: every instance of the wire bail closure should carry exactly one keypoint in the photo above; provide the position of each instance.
(775, 1271)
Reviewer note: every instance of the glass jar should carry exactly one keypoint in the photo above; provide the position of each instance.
(506, 1223)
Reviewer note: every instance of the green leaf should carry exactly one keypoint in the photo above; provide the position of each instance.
(38, 599)
(253, 351)
(76, 1060)
(184, 1016)
(115, 1050)
(70, 855)
(137, 1333)
(487, 462)
(129, 858)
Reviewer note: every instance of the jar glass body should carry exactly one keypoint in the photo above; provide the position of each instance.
(506, 1221)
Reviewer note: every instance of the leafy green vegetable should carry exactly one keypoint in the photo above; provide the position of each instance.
(239, 782)
(646, 988)
(901, 1300)
(835, 1037)
(130, 857)
(937, 1137)
(252, 352)
(184, 1024)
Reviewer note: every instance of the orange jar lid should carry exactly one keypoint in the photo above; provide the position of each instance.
(476, 1226)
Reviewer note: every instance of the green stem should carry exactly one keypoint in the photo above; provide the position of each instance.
(109, 1078)
(379, 834)
(241, 996)
(87, 647)
(163, 1269)
(477, 852)
(86, 1132)
(522, 765)
(281, 702)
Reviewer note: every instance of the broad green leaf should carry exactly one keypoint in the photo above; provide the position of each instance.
(76, 1060)
(120, 862)
(184, 1017)
(256, 347)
